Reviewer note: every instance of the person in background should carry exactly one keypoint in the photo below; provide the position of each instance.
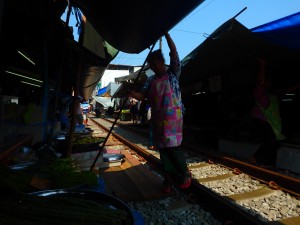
(261, 127)
(266, 118)
(85, 118)
(79, 115)
(134, 110)
(85, 110)
(163, 92)
(64, 117)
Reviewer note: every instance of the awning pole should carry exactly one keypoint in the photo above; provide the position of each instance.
(45, 88)
(239, 13)
(119, 113)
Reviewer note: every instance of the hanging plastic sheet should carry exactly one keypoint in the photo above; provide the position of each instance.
(105, 101)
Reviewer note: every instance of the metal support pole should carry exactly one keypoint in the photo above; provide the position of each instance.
(76, 104)
(45, 101)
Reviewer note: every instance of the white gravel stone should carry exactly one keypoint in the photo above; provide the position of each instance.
(158, 212)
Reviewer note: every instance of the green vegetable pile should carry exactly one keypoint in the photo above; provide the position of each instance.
(87, 140)
(64, 173)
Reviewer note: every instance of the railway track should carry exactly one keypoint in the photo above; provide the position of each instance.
(236, 191)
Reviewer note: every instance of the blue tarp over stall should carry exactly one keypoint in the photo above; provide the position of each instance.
(284, 31)
(101, 91)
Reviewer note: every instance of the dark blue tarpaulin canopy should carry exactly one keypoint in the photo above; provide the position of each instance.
(284, 31)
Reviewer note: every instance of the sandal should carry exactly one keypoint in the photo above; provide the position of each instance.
(187, 181)
(166, 188)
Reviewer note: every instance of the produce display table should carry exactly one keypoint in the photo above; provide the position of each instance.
(125, 115)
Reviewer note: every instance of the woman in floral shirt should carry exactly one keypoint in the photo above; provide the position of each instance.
(163, 93)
